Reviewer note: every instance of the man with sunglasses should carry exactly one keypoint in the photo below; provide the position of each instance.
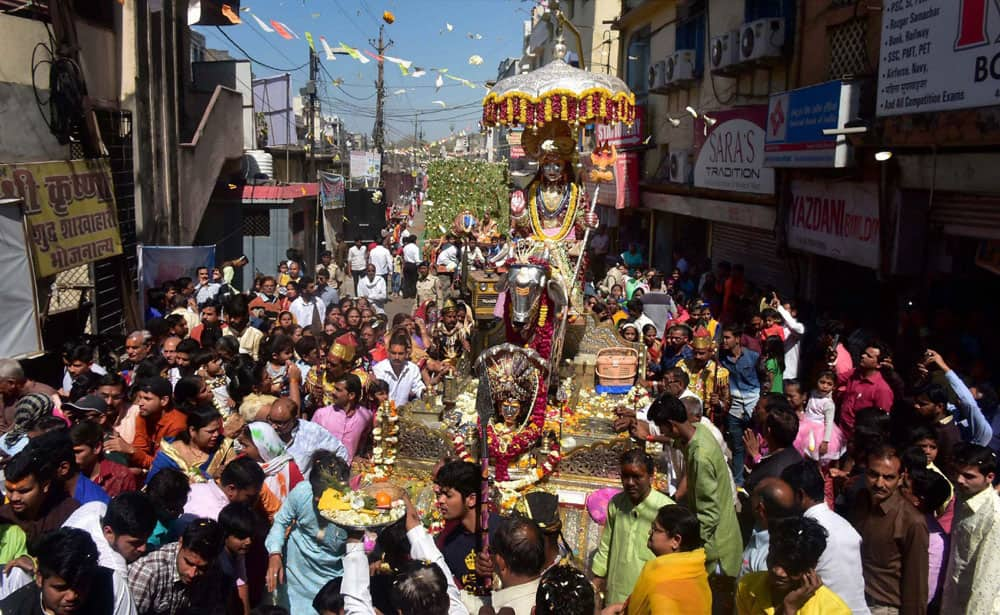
(303, 438)
(675, 347)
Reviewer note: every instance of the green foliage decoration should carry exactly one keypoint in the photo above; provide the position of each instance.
(456, 185)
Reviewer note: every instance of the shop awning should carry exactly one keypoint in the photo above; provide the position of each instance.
(259, 195)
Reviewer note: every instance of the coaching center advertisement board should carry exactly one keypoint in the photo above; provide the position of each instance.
(938, 55)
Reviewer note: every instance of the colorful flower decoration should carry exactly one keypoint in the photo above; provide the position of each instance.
(597, 105)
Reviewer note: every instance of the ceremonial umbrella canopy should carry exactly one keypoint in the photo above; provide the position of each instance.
(558, 92)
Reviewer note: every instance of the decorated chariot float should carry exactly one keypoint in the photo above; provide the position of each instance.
(536, 404)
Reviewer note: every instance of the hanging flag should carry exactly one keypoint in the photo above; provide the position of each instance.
(374, 55)
(438, 83)
(405, 63)
(309, 39)
(263, 26)
(281, 30)
(354, 53)
(475, 60)
(418, 72)
(403, 70)
(228, 13)
(439, 102)
(326, 48)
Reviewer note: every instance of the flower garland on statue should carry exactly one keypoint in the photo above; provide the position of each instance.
(539, 338)
(385, 435)
(510, 490)
(506, 446)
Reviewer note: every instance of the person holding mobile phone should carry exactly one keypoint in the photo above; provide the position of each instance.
(790, 584)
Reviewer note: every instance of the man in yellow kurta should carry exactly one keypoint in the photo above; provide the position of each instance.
(623, 550)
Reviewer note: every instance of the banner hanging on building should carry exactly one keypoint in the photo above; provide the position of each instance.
(366, 165)
(730, 151)
(70, 209)
(938, 55)
(838, 220)
(159, 264)
(331, 190)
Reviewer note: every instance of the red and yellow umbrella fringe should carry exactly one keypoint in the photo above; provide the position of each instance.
(592, 106)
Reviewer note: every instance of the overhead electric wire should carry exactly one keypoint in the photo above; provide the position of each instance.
(255, 60)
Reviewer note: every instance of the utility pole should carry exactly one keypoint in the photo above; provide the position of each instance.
(416, 142)
(313, 110)
(378, 134)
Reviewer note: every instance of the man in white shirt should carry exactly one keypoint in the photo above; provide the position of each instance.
(517, 540)
(426, 586)
(119, 529)
(971, 583)
(303, 438)
(794, 330)
(308, 310)
(448, 256)
(840, 564)
(411, 260)
(402, 375)
(373, 288)
(205, 290)
(381, 257)
(357, 260)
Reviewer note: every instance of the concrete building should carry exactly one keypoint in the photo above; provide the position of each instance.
(166, 139)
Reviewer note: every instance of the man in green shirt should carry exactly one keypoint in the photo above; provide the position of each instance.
(707, 475)
(623, 552)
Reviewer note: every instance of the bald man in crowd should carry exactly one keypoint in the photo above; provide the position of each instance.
(771, 500)
(302, 437)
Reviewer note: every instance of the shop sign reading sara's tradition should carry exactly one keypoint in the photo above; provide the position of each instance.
(731, 151)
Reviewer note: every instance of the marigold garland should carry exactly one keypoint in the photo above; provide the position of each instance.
(569, 220)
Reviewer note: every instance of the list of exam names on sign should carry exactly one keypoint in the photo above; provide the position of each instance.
(904, 84)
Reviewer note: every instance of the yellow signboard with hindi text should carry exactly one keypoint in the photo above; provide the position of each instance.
(70, 207)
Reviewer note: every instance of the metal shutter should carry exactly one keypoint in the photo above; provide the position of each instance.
(756, 250)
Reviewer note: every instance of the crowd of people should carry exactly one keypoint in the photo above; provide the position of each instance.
(860, 482)
(782, 466)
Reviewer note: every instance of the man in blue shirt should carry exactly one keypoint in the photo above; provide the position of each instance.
(744, 391)
(675, 347)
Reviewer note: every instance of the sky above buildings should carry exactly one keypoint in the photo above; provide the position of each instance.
(457, 43)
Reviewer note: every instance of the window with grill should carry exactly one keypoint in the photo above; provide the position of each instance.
(848, 49)
(256, 223)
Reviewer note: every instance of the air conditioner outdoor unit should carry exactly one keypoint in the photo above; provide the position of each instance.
(680, 67)
(680, 166)
(762, 39)
(724, 51)
(656, 74)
